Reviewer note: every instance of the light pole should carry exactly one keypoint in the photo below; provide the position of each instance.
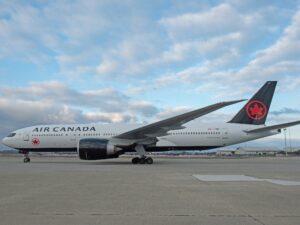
(290, 139)
(284, 139)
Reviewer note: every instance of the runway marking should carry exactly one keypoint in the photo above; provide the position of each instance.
(284, 182)
(224, 178)
(232, 178)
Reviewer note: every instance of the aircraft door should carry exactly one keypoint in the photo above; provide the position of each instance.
(26, 136)
(225, 136)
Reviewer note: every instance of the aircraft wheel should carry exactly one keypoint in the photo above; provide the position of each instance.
(135, 160)
(149, 160)
(142, 160)
(26, 160)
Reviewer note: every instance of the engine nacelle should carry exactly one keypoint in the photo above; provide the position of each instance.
(94, 148)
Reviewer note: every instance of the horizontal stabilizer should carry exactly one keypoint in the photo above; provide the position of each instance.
(274, 127)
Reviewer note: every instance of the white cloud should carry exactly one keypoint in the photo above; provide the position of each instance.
(127, 44)
(109, 117)
(144, 107)
(286, 48)
(220, 68)
(107, 67)
(214, 22)
(44, 95)
(220, 46)
(168, 112)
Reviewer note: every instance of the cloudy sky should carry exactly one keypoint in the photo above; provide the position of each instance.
(139, 61)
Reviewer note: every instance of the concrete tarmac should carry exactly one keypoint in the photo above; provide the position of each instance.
(69, 191)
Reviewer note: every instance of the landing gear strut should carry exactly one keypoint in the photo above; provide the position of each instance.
(143, 158)
(26, 156)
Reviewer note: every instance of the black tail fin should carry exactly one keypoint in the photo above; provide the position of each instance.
(257, 108)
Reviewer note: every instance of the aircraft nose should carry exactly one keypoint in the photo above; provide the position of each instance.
(4, 141)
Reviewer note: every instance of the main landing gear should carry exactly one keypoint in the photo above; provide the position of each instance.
(26, 156)
(143, 159)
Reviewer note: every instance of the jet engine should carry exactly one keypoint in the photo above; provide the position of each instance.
(94, 148)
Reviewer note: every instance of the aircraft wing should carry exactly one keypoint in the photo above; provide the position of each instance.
(161, 128)
(274, 127)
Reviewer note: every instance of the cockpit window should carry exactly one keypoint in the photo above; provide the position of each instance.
(11, 135)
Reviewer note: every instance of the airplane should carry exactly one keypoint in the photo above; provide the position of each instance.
(103, 141)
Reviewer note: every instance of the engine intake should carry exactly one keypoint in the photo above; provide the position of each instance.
(94, 148)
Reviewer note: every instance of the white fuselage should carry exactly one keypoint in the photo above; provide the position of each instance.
(195, 136)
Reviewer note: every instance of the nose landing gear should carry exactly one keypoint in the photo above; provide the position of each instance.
(26, 160)
(26, 156)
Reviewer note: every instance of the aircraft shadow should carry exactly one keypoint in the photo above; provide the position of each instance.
(99, 163)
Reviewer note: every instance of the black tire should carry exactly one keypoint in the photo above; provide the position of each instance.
(142, 160)
(149, 160)
(26, 160)
(135, 160)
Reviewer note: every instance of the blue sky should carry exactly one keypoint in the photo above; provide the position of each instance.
(140, 61)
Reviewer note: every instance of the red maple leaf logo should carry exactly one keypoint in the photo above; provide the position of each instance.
(256, 110)
(35, 141)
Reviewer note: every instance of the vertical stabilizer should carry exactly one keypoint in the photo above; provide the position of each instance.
(256, 110)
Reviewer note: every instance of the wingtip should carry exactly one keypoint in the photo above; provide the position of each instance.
(242, 100)
(234, 102)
